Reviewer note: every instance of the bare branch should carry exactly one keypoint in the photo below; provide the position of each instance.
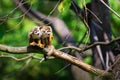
(55, 53)
(25, 58)
(13, 49)
(110, 8)
(91, 46)
(102, 43)
(16, 59)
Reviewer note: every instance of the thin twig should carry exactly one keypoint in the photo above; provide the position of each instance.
(25, 58)
(16, 59)
(62, 69)
(94, 16)
(90, 46)
(110, 8)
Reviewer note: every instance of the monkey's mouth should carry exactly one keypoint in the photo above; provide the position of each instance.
(48, 33)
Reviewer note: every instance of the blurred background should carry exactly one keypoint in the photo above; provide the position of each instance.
(14, 27)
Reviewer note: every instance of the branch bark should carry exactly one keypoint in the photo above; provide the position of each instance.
(57, 54)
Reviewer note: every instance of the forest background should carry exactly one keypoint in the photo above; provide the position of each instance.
(14, 28)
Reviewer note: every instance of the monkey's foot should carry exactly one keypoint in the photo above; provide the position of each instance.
(40, 45)
(33, 44)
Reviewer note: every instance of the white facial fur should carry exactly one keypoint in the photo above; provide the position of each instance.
(36, 32)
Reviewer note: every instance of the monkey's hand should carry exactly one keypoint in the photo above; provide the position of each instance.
(40, 44)
(33, 44)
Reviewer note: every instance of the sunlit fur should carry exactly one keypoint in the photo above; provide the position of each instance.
(40, 36)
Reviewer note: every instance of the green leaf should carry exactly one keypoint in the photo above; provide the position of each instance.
(88, 59)
(65, 4)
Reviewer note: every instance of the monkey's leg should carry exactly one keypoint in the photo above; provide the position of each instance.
(40, 44)
(50, 39)
(45, 55)
(46, 40)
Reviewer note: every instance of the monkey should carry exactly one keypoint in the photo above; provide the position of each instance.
(40, 36)
(47, 36)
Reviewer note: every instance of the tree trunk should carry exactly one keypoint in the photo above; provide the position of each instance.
(100, 32)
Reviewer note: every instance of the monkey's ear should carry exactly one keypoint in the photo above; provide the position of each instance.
(49, 27)
(31, 32)
(46, 26)
(40, 27)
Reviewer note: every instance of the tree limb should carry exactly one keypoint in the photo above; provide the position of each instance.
(24, 58)
(58, 54)
(91, 46)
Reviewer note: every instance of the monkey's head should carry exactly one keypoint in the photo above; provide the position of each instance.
(46, 30)
(36, 32)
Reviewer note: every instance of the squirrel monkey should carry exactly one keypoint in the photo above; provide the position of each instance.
(40, 36)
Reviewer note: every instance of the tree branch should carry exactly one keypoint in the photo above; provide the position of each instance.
(110, 8)
(58, 54)
(14, 58)
(91, 46)
(25, 58)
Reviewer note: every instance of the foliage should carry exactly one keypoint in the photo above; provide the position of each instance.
(114, 19)
(64, 5)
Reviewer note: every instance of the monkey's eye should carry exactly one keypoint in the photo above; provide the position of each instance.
(36, 32)
(43, 30)
(48, 32)
(40, 28)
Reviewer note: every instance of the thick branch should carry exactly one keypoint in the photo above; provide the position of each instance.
(58, 54)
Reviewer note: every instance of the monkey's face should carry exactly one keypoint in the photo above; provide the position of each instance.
(46, 32)
(36, 33)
